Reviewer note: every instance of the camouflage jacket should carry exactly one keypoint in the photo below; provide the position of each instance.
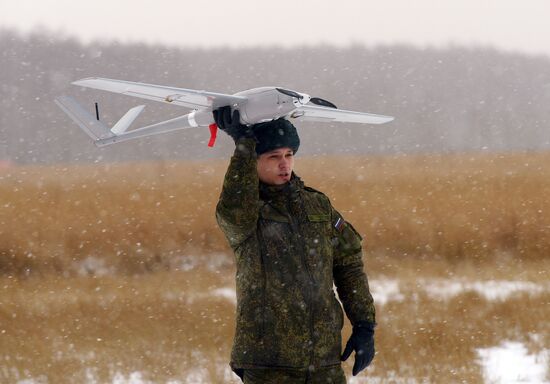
(290, 245)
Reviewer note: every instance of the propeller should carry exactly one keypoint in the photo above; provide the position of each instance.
(289, 93)
(314, 100)
(322, 102)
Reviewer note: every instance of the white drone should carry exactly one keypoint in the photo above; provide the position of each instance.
(255, 106)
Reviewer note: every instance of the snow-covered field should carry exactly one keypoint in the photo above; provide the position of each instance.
(509, 362)
(386, 290)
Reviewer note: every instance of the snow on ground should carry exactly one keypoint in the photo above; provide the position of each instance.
(511, 363)
(99, 266)
(133, 378)
(508, 363)
(490, 289)
(390, 378)
(385, 290)
(226, 293)
(196, 376)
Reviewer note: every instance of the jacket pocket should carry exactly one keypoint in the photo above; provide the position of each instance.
(320, 222)
(318, 241)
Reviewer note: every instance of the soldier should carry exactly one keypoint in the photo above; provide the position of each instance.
(290, 246)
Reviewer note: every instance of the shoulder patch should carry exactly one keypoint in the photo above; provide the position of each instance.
(339, 224)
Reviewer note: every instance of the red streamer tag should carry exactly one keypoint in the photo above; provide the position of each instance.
(213, 132)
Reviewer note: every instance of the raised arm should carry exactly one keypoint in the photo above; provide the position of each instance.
(237, 212)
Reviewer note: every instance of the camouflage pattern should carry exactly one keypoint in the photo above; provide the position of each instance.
(329, 375)
(290, 246)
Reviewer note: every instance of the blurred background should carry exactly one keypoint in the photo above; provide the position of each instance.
(112, 268)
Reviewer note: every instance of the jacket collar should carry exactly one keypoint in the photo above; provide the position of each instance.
(283, 191)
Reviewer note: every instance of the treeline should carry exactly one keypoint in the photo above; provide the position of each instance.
(444, 100)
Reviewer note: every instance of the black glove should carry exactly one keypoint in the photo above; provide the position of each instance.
(231, 124)
(362, 341)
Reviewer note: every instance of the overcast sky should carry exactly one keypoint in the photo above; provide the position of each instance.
(511, 25)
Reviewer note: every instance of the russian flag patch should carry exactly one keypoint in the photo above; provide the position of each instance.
(339, 224)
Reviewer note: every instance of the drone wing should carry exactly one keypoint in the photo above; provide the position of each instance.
(327, 114)
(189, 98)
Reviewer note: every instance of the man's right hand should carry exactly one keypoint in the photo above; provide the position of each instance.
(231, 124)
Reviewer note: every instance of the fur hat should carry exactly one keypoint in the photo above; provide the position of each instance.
(276, 134)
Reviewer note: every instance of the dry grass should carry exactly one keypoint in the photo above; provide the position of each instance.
(137, 217)
(446, 206)
(167, 326)
(437, 341)
(163, 324)
(106, 269)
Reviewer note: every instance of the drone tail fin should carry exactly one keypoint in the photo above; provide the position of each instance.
(122, 125)
(85, 120)
(102, 135)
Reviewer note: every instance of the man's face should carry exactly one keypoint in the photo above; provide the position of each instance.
(275, 167)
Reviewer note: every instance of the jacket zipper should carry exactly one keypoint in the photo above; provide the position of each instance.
(261, 329)
(298, 230)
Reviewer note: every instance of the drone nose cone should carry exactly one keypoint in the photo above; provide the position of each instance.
(303, 100)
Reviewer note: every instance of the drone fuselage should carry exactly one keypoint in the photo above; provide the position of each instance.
(266, 104)
(261, 104)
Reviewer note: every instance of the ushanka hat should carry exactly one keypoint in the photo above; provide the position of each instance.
(276, 134)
